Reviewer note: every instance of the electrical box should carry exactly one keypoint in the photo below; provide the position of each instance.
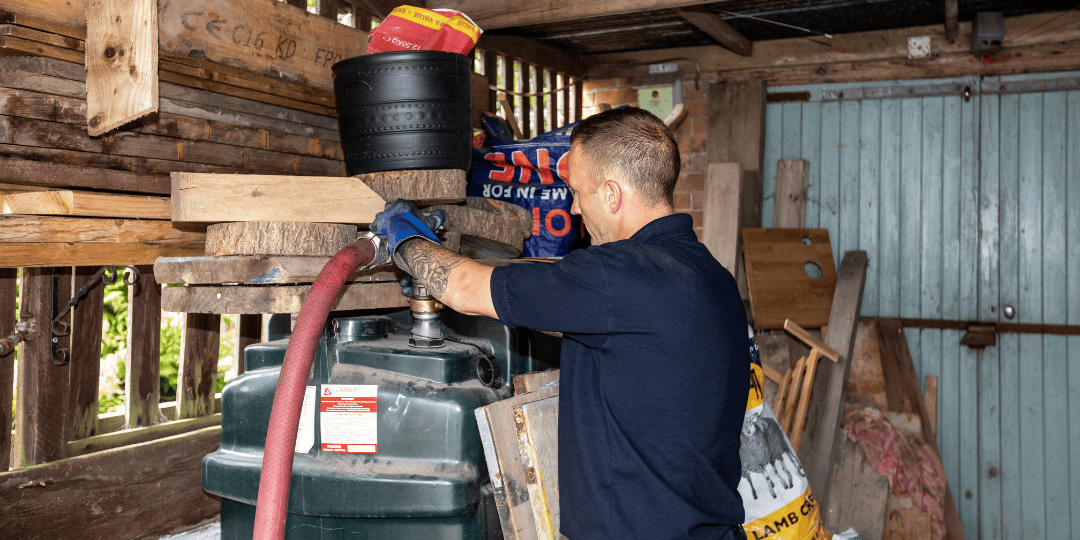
(987, 31)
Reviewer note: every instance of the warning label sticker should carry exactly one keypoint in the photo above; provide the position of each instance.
(305, 432)
(348, 418)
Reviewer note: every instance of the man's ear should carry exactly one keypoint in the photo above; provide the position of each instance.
(613, 195)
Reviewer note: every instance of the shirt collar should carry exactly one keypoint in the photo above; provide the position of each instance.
(665, 227)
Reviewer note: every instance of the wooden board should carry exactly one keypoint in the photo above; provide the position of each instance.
(257, 270)
(58, 175)
(142, 388)
(860, 494)
(278, 238)
(8, 279)
(792, 182)
(250, 333)
(200, 340)
(779, 283)
(85, 354)
(509, 475)
(865, 372)
(121, 62)
(277, 299)
(723, 188)
(537, 426)
(127, 437)
(141, 491)
(423, 187)
(84, 203)
(213, 198)
(41, 413)
(821, 438)
(531, 382)
(261, 36)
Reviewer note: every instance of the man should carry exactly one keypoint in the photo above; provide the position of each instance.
(654, 369)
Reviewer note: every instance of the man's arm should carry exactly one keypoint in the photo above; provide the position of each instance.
(455, 280)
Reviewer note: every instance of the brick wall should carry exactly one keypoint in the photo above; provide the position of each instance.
(691, 134)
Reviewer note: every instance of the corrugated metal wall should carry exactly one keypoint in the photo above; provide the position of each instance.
(964, 206)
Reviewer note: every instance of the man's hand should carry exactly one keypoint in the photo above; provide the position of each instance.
(400, 221)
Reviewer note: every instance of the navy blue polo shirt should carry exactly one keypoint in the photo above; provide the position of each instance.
(653, 384)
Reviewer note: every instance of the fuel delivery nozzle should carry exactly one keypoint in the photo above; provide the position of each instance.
(427, 328)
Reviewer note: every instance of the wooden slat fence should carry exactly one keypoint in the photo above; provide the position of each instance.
(540, 96)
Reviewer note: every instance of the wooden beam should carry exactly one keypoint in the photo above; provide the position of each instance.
(58, 175)
(114, 493)
(491, 15)
(792, 183)
(41, 423)
(821, 438)
(952, 23)
(85, 354)
(117, 232)
(272, 38)
(85, 203)
(212, 198)
(279, 299)
(121, 62)
(258, 270)
(200, 340)
(723, 190)
(8, 277)
(875, 55)
(710, 23)
(128, 437)
(142, 387)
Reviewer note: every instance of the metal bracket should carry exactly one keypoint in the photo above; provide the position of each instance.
(108, 275)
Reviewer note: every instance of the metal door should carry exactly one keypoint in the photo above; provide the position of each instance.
(965, 193)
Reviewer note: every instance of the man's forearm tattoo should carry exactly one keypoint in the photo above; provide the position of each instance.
(430, 264)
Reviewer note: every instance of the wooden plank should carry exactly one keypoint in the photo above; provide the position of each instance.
(117, 232)
(59, 175)
(250, 333)
(41, 423)
(552, 100)
(115, 493)
(85, 203)
(211, 198)
(280, 299)
(46, 37)
(138, 435)
(121, 62)
(781, 286)
(85, 354)
(821, 438)
(257, 270)
(807, 385)
(531, 382)
(723, 189)
(870, 180)
(792, 181)
(8, 316)
(705, 20)
(525, 112)
(142, 387)
(930, 399)
(498, 433)
(810, 340)
(200, 340)
(537, 426)
(860, 493)
(21, 19)
(35, 254)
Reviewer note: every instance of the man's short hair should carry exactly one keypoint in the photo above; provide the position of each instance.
(633, 145)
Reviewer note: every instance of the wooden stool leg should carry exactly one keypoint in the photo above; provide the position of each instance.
(793, 395)
(778, 401)
(804, 398)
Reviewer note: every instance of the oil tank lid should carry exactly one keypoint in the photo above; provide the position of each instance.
(363, 328)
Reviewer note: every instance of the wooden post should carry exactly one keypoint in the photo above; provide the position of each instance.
(723, 189)
(821, 437)
(526, 109)
(328, 9)
(491, 68)
(250, 333)
(508, 82)
(197, 382)
(930, 399)
(565, 101)
(41, 421)
(86, 354)
(579, 91)
(8, 317)
(142, 387)
(736, 124)
(538, 110)
(552, 101)
(792, 182)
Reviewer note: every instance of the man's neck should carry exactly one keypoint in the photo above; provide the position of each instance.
(641, 217)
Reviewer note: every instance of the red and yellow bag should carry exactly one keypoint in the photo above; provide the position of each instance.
(410, 28)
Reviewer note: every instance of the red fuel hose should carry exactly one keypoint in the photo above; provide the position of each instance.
(270, 510)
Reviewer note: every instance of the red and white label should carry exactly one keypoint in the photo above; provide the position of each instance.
(348, 418)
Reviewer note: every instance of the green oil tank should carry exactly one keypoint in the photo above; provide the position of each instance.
(388, 446)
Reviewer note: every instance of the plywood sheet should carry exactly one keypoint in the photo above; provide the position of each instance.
(780, 285)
